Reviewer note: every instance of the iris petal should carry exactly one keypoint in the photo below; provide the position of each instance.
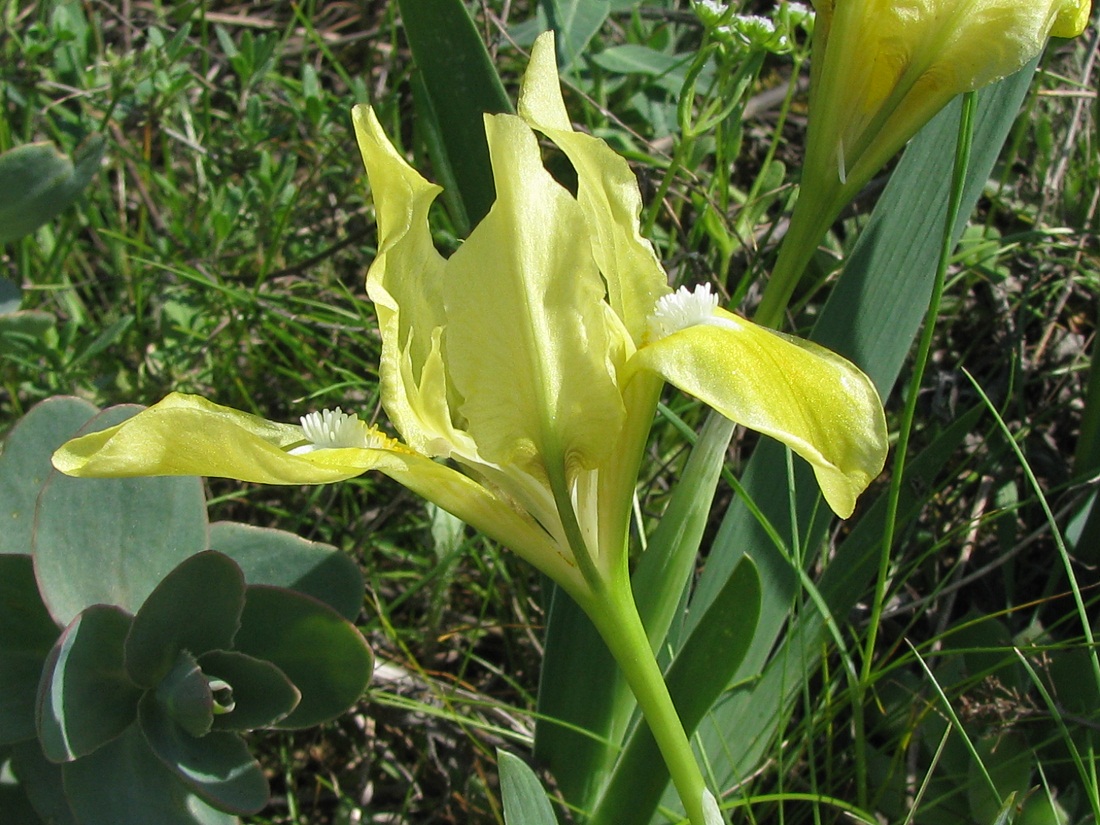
(189, 435)
(528, 341)
(803, 395)
(607, 192)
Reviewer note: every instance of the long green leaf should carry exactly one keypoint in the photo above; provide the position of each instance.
(755, 710)
(575, 22)
(463, 85)
(1083, 531)
(872, 317)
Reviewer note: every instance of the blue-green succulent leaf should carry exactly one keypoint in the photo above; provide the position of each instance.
(84, 527)
(26, 635)
(85, 698)
(196, 608)
(261, 693)
(25, 464)
(282, 559)
(124, 783)
(185, 696)
(323, 654)
(217, 767)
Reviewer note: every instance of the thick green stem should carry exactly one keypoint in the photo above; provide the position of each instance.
(616, 617)
(810, 220)
(609, 603)
(920, 361)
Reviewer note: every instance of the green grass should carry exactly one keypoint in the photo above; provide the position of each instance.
(222, 248)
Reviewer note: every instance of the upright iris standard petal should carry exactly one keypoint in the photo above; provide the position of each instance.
(607, 192)
(529, 345)
(406, 284)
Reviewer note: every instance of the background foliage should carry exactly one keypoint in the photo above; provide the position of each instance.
(221, 249)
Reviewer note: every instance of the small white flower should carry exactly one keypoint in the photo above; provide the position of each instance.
(711, 11)
(755, 23)
(756, 31)
(332, 429)
(799, 15)
(682, 309)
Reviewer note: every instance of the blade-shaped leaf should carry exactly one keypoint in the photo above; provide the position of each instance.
(575, 23)
(463, 85)
(872, 317)
(524, 800)
(755, 710)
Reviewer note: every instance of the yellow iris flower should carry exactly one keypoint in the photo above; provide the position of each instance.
(883, 68)
(880, 70)
(522, 373)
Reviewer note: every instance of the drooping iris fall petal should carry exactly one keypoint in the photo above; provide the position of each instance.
(795, 391)
(190, 435)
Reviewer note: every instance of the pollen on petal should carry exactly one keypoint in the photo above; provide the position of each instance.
(333, 429)
(682, 309)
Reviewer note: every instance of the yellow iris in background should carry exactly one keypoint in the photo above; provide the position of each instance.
(883, 68)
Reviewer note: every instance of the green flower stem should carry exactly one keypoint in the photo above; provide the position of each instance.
(810, 220)
(609, 603)
(615, 615)
(920, 361)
